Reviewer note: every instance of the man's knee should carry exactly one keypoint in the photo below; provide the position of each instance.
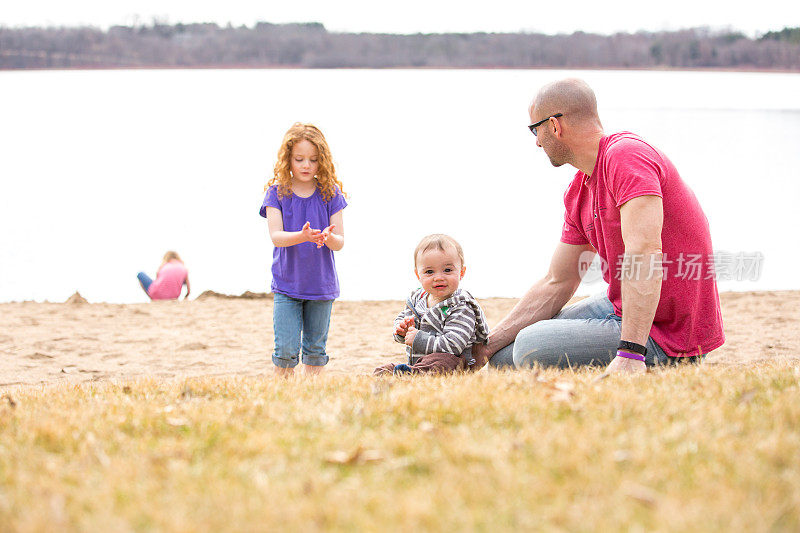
(555, 342)
(529, 344)
(503, 358)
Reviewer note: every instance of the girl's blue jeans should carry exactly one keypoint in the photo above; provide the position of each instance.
(584, 333)
(300, 323)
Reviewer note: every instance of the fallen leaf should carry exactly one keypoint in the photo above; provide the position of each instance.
(620, 456)
(562, 396)
(381, 386)
(357, 456)
(601, 377)
(565, 386)
(97, 450)
(187, 393)
(371, 456)
(747, 396)
(339, 457)
(640, 493)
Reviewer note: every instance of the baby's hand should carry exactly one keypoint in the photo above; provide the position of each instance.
(310, 235)
(402, 327)
(410, 334)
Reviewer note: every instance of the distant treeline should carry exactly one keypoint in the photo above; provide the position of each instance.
(312, 46)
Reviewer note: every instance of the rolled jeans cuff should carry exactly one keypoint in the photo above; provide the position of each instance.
(285, 362)
(315, 360)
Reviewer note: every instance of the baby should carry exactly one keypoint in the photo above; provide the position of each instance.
(440, 322)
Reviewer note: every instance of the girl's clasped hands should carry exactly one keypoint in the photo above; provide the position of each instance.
(319, 237)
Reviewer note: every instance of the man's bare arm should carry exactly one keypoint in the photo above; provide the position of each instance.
(642, 219)
(541, 302)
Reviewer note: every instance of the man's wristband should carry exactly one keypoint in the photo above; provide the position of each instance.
(628, 355)
(632, 347)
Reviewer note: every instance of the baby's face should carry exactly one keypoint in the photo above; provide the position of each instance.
(440, 272)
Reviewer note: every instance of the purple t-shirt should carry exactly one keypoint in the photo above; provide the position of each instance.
(304, 271)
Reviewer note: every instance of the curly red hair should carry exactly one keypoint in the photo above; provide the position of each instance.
(326, 173)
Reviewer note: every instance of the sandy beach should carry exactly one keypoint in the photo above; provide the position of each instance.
(45, 343)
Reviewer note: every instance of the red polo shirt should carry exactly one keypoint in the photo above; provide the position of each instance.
(688, 320)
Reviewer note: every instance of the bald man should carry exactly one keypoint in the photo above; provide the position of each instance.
(627, 204)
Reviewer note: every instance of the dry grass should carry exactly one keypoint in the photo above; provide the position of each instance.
(714, 448)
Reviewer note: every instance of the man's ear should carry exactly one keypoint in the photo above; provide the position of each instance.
(416, 273)
(557, 130)
(463, 271)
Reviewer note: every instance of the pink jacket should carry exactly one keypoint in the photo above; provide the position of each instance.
(169, 281)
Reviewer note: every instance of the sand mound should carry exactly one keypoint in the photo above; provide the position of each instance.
(77, 299)
(247, 295)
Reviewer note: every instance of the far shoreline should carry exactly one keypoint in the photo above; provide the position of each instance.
(428, 67)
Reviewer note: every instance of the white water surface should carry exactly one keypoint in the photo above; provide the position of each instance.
(101, 172)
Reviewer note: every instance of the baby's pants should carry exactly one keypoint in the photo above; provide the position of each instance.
(434, 363)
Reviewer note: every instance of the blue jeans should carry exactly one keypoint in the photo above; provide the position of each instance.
(144, 281)
(584, 333)
(290, 318)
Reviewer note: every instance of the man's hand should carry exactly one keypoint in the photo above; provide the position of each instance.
(402, 327)
(623, 365)
(481, 354)
(410, 334)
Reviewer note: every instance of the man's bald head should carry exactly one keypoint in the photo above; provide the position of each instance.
(572, 97)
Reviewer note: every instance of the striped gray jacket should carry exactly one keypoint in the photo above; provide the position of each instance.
(451, 326)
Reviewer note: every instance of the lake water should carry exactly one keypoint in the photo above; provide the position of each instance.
(101, 172)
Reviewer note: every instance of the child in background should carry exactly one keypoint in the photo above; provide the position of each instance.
(440, 322)
(170, 279)
(303, 207)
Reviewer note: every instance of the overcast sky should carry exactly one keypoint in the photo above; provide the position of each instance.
(427, 16)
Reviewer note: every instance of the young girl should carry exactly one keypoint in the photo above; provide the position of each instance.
(303, 207)
(170, 279)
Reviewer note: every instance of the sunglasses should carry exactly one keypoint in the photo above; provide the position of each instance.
(533, 127)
